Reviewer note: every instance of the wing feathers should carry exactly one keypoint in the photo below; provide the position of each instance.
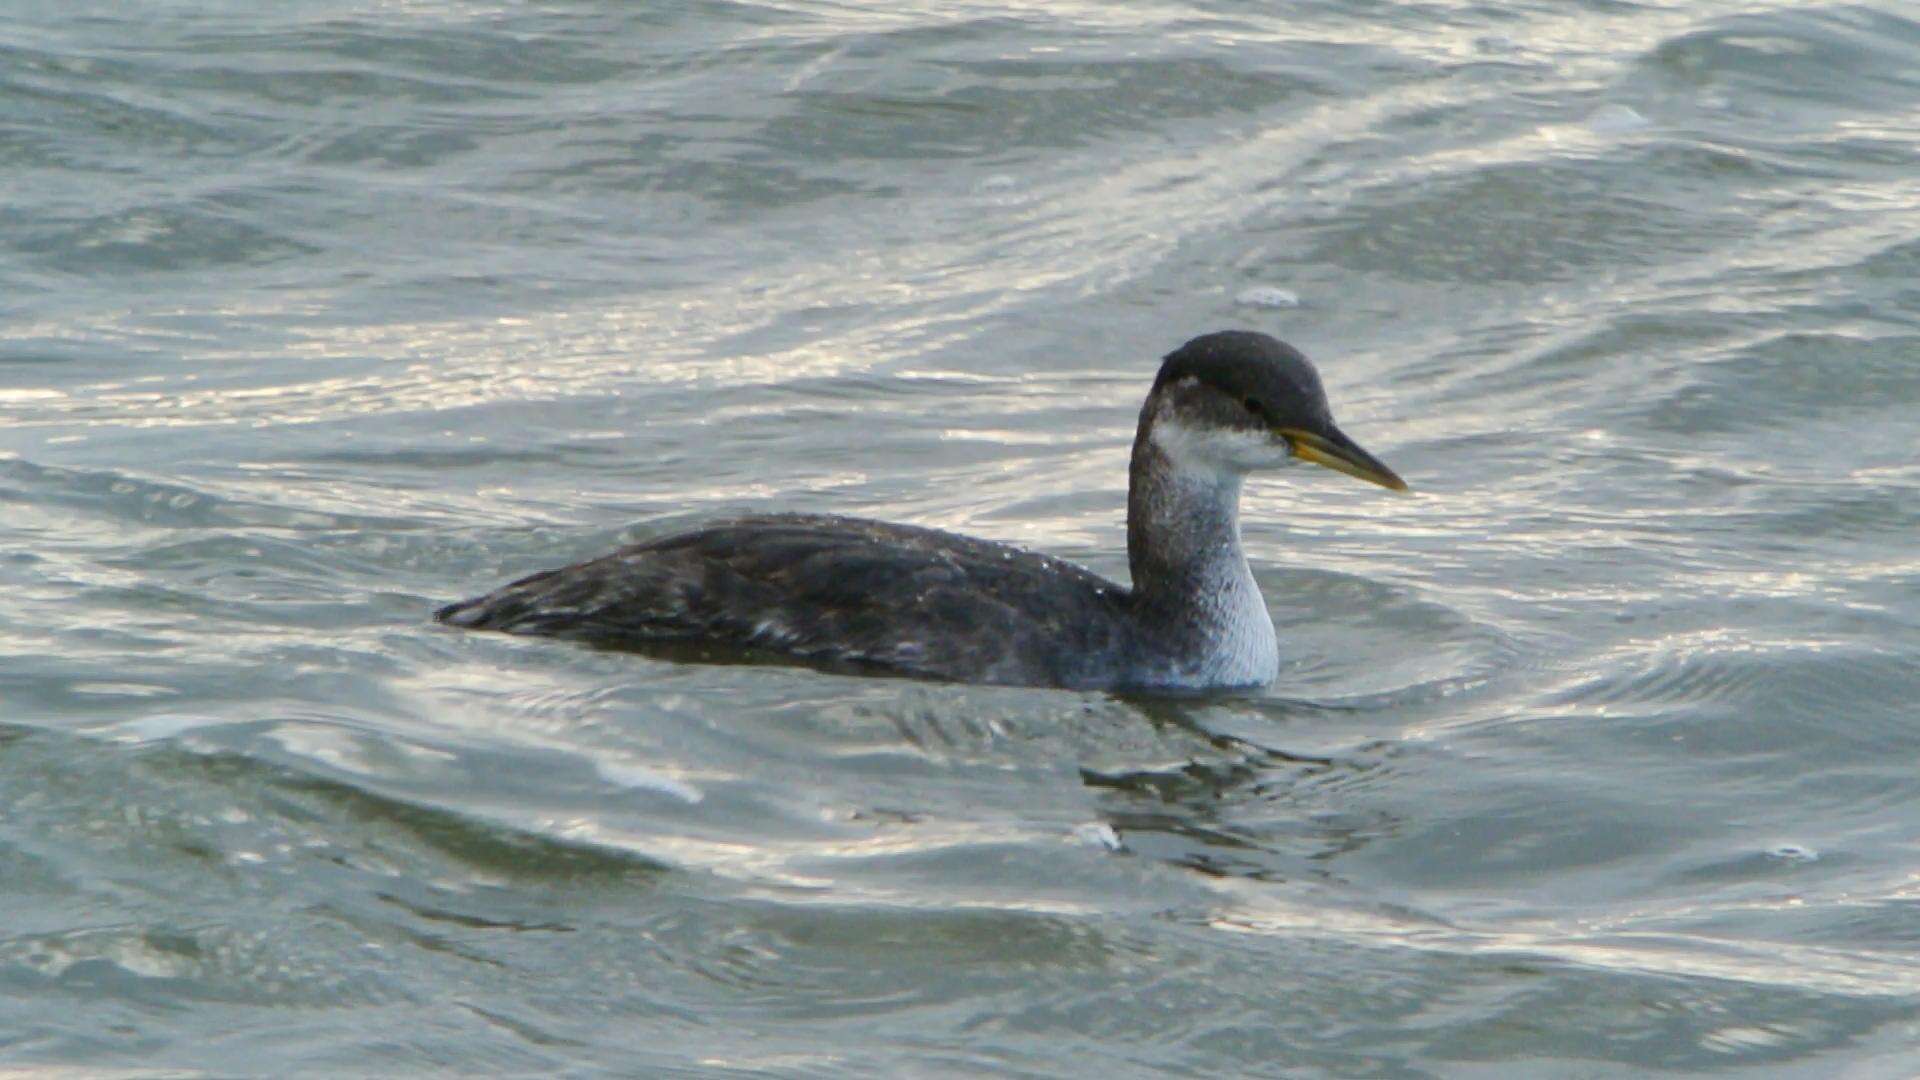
(846, 589)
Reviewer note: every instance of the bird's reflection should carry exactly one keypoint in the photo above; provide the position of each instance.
(1241, 807)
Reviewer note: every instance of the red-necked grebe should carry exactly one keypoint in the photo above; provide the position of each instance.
(867, 595)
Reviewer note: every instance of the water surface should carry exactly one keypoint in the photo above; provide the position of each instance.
(1595, 758)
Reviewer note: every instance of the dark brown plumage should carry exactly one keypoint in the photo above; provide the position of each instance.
(867, 595)
(837, 590)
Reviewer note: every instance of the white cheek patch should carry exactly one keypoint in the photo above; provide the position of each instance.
(1217, 448)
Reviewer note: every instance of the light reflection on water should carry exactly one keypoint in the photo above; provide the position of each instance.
(1592, 755)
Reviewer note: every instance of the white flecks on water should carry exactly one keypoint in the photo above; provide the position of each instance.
(1616, 120)
(1267, 296)
(158, 726)
(1099, 834)
(642, 778)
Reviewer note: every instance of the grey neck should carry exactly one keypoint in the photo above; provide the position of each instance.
(1193, 590)
(1183, 527)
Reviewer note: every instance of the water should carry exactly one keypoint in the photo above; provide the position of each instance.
(1595, 758)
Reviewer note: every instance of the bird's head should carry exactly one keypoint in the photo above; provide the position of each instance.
(1237, 400)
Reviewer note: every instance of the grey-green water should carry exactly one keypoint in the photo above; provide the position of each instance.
(1596, 758)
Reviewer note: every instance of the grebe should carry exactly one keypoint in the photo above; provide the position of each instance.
(855, 594)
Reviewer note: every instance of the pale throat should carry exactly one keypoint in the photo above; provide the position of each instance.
(1189, 567)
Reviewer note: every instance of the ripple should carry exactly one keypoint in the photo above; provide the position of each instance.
(153, 967)
(131, 498)
(492, 851)
(1826, 377)
(1354, 643)
(315, 316)
(161, 238)
(999, 105)
(1533, 221)
(1783, 54)
(1709, 675)
(56, 95)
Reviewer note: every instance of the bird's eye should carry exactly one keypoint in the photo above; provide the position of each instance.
(1253, 405)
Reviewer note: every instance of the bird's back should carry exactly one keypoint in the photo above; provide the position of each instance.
(837, 590)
